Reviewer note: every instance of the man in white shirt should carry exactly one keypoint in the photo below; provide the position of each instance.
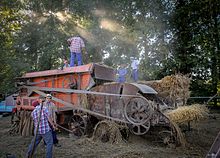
(134, 66)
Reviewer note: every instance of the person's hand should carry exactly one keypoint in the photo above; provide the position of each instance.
(54, 126)
(69, 43)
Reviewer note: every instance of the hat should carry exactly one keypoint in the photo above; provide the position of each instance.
(49, 96)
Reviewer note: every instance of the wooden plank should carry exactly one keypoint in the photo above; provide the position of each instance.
(214, 151)
(65, 90)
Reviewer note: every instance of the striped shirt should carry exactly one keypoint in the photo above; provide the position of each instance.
(76, 44)
(44, 124)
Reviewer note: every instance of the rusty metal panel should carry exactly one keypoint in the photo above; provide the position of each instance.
(114, 104)
(71, 81)
(144, 88)
(109, 105)
(104, 73)
(129, 89)
(97, 102)
(69, 70)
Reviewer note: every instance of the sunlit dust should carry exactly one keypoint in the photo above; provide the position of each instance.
(110, 25)
(99, 12)
(115, 27)
(86, 34)
(63, 16)
(126, 39)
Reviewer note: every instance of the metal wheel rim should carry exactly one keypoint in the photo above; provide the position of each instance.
(145, 111)
(141, 129)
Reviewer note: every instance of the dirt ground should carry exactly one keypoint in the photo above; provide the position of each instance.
(199, 141)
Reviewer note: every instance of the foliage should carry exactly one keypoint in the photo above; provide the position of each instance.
(11, 22)
(195, 44)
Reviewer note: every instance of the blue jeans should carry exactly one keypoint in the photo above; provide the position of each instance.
(48, 138)
(135, 75)
(78, 56)
(121, 79)
(54, 135)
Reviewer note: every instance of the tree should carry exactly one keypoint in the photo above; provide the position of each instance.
(11, 20)
(196, 44)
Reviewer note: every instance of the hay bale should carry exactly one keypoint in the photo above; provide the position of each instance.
(185, 114)
(171, 88)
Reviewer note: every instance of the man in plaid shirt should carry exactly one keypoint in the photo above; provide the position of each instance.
(42, 129)
(76, 46)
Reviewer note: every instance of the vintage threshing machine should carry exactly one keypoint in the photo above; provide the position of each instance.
(87, 95)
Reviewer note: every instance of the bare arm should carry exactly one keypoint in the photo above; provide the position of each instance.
(83, 47)
(51, 122)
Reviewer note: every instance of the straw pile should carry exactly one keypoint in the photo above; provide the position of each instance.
(172, 89)
(107, 131)
(23, 125)
(185, 114)
(14, 125)
(180, 139)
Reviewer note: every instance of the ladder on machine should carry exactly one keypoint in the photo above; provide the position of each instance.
(214, 151)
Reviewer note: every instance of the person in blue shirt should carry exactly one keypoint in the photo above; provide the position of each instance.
(122, 72)
(65, 64)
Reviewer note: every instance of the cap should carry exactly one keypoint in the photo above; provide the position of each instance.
(49, 96)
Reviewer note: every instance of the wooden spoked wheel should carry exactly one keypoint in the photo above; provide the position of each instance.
(107, 131)
(170, 134)
(168, 137)
(78, 125)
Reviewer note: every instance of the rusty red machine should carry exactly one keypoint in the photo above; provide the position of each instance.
(86, 95)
